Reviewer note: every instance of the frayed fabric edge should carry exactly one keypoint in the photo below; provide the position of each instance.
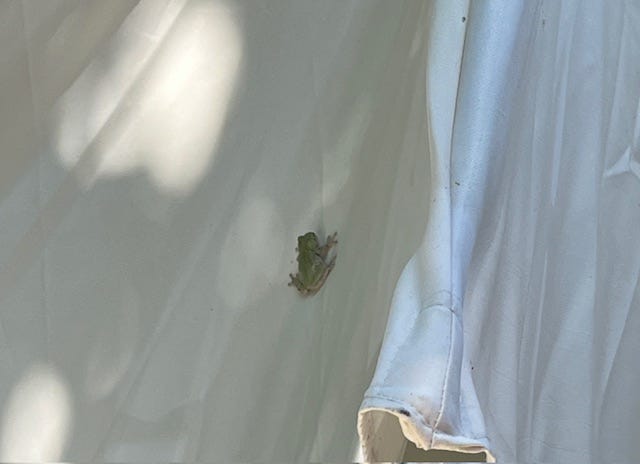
(413, 429)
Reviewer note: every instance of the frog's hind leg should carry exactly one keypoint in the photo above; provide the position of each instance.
(331, 264)
(331, 242)
(297, 283)
(325, 274)
(328, 270)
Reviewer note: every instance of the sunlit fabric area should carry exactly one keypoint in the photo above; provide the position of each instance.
(162, 160)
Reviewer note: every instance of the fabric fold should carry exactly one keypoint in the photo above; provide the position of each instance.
(423, 378)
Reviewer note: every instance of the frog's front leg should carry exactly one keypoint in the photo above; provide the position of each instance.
(294, 281)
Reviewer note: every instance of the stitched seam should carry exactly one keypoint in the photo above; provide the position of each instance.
(451, 306)
(450, 302)
(444, 383)
(419, 416)
(440, 412)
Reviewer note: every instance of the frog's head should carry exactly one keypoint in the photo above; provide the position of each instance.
(308, 241)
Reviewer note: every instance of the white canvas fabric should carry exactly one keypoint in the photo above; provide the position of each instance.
(159, 159)
(479, 161)
(511, 329)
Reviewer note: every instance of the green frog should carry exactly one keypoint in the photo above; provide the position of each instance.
(313, 268)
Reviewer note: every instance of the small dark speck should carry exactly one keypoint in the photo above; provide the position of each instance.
(471, 367)
(404, 412)
(543, 22)
(457, 183)
(464, 19)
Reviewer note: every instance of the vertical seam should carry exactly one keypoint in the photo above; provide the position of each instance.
(444, 383)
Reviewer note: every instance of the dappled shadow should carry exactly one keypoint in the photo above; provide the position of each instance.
(127, 134)
(36, 417)
(181, 157)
